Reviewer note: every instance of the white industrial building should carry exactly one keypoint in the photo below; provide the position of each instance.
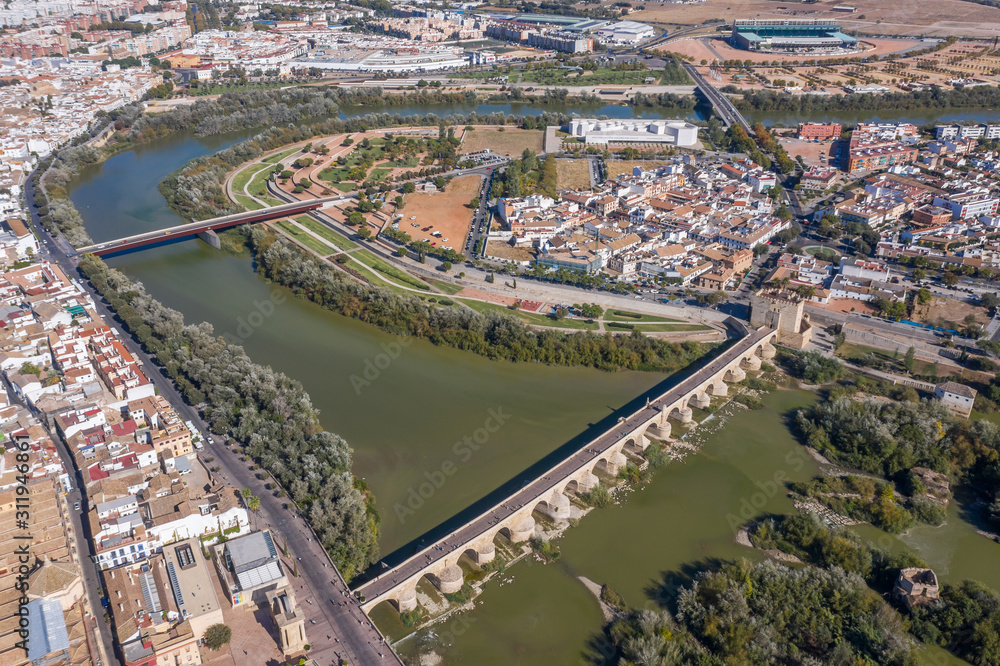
(626, 32)
(615, 130)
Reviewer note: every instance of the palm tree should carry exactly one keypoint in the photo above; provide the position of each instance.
(253, 504)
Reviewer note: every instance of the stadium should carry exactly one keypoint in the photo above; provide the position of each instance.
(791, 35)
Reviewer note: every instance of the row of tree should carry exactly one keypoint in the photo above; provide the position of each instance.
(496, 335)
(933, 97)
(270, 414)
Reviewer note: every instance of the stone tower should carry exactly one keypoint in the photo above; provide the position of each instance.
(782, 311)
(289, 620)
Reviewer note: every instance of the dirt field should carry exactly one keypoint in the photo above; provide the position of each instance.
(809, 150)
(511, 141)
(616, 168)
(948, 309)
(505, 251)
(573, 174)
(446, 212)
(901, 17)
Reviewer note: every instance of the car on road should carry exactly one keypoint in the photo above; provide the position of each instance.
(76, 506)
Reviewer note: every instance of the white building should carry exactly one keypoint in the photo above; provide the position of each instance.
(860, 268)
(958, 398)
(615, 130)
(626, 32)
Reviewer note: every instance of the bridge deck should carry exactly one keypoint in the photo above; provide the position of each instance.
(192, 228)
(539, 488)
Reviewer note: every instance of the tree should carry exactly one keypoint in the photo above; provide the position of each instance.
(909, 361)
(217, 636)
(409, 188)
(446, 266)
(365, 232)
(949, 279)
(716, 297)
(355, 218)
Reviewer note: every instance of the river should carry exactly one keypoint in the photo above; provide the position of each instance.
(404, 417)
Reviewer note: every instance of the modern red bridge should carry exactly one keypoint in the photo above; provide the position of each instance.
(205, 227)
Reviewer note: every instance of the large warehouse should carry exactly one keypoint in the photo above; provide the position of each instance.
(789, 35)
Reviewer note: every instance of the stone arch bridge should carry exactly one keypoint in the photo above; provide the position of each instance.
(547, 494)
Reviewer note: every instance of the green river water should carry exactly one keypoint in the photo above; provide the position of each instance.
(418, 400)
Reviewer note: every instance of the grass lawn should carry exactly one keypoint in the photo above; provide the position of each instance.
(407, 162)
(992, 417)
(446, 287)
(600, 76)
(301, 236)
(377, 174)
(334, 174)
(666, 328)
(345, 187)
(241, 179)
(369, 259)
(326, 232)
(853, 352)
(375, 279)
(573, 174)
(248, 202)
(634, 317)
(824, 253)
(277, 157)
(510, 141)
(530, 317)
(258, 185)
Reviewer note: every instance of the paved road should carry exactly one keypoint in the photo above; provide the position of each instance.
(555, 478)
(81, 527)
(346, 624)
(342, 629)
(216, 223)
(727, 112)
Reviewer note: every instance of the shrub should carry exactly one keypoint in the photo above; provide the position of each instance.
(598, 497)
(611, 597)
